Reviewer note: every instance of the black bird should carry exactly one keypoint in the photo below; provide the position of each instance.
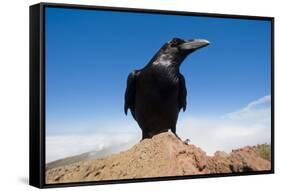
(156, 94)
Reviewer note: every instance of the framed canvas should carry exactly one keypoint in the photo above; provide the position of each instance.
(123, 95)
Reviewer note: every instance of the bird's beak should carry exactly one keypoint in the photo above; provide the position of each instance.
(194, 44)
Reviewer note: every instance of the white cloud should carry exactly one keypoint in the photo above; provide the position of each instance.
(90, 136)
(250, 125)
(62, 146)
(255, 110)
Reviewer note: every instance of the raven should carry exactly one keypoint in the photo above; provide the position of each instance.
(156, 93)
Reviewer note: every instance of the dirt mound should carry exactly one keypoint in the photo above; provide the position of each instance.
(162, 155)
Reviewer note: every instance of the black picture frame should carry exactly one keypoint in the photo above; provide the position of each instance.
(37, 93)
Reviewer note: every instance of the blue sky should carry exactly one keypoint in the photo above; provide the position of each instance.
(89, 55)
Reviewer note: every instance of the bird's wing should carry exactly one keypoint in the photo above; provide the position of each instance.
(130, 93)
(182, 93)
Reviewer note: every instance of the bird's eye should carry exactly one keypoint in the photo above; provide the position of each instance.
(174, 43)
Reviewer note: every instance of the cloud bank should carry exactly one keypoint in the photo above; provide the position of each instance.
(249, 125)
(58, 147)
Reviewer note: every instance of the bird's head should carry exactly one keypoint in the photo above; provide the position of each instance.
(176, 50)
(185, 46)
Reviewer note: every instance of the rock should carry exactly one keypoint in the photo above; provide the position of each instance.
(248, 159)
(162, 155)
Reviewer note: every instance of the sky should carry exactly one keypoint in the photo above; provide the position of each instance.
(90, 53)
